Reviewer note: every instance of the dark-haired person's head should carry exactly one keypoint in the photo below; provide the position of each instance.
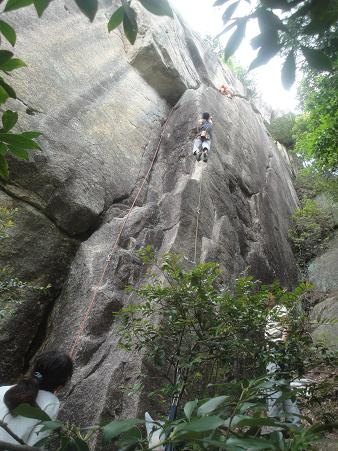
(54, 367)
(206, 116)
(49, 371)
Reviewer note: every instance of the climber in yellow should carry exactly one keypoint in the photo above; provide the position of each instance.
(202, 141)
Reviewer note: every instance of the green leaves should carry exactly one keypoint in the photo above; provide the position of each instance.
(289, 71)
(88, 7)
(3, 95)
(5, 55)
(281, 128)
(19, 140)
(252, 444)
(8, 32)
(158, 7)
(115, 428)
(31, 135)
(116, 19)
(197, 425)
(11, 5)
(3, 166)
(268, 41)
(265, 53)
(316, 130)
(296, 26)
(127, 15)
(229, 12)
(12, 64)
(129, 23)
(235, 39)
(268, 20)
(9, 91)
(9, 119)
(9, 63)
(19, 152)
(40, 6)
(73, 444)
(15, 144)
(211, 405)
(317, 59)
(189, 407)
(28, 411)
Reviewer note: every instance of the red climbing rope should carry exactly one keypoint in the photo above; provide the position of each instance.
(82, 326)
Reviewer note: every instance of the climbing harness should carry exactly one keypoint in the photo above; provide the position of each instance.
(82, 326)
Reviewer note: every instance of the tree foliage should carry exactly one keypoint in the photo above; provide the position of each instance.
(199, 335)
(211, 334)
(311, 182)
(281, 129)
(11, 143)
(311, 228)
(12, 289)
(233, 421)
(293, 29)
(316, 130)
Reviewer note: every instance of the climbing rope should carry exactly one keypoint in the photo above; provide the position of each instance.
(198, 212)
(82, 326)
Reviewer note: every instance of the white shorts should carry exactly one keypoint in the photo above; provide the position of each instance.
(201, 145)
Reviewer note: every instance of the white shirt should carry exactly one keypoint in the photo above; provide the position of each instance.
(26, 428)
(275, 329)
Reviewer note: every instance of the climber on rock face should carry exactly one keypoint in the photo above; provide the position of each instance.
(203, 139)
(225, 91)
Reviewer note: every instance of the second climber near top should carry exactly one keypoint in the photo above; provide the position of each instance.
(202, 141)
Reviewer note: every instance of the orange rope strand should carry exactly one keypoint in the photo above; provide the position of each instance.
(82, 326)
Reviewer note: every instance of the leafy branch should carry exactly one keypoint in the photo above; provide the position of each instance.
(296, 29)
(17, 144)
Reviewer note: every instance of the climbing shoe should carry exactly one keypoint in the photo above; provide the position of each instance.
(198, 156)
(205, 157)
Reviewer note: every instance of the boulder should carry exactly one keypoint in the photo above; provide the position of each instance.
(35, 252)
(105, 108)
(322, 270)
(244, 197)
(325, 313)
(96, 113)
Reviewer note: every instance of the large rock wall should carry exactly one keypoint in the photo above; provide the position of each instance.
(101, 105)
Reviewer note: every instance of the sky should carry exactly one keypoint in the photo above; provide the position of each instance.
(206, 19)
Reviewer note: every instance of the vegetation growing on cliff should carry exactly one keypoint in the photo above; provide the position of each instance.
(312, 228)
(235, 417)
(210, 350)
(311, 182)
(281, 129)
(316, 130)
(12, 289)
(206, 329)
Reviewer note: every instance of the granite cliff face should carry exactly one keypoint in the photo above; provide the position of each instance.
(101, 105)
